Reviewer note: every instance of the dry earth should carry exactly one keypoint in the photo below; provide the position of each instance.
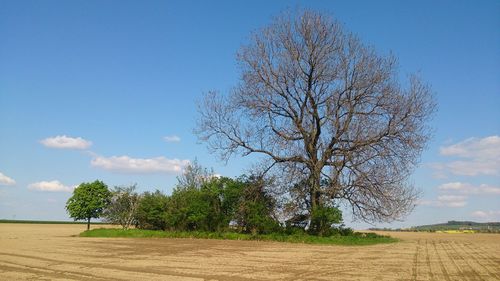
(49, 252)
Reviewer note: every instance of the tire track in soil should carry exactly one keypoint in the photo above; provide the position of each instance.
(415, 261)
(453, 245)
(171, 273)
(46, 272)
(427, 260)
(441, 264)
(494, 261)
(451, 256)
(474, 274)
(477, 253)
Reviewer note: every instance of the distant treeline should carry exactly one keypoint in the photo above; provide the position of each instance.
(487, 227)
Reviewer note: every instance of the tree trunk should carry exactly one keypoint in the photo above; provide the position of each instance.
(315, 193)
(88, 224)
(315, 188)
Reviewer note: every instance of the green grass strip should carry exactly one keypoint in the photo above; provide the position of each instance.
(356, 239)
(48, 222)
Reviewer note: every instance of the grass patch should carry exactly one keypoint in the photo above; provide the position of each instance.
(358, 238)
(48, 222)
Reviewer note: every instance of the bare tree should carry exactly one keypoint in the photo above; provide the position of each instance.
(194, 176)
(327, 112)
(122, 208)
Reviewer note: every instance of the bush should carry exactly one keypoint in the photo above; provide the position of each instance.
(323, 218)
(219, 202)
(342, 231)
(255, 208)
(151, 213)
(187, 210)
(211, 207)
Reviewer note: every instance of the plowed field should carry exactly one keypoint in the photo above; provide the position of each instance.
(50, 252)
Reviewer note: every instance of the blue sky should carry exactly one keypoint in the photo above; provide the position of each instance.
(90, 89)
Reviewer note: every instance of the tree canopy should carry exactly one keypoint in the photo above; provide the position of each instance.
(88, 201)
(327, 114)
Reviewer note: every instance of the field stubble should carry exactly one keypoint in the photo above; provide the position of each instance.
(50, 252)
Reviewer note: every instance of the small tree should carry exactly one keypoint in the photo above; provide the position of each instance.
(151, 212)
(188, 210)
(88, 201)
(256, 207)
(123, 206)
(209, 208)
(198, 201)
(323, 218)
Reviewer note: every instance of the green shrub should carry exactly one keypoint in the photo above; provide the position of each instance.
(211, 207)
(323, 218)
(255, 208)
(151, 212)
(186, 210)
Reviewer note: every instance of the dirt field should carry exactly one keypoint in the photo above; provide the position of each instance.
(49, 252)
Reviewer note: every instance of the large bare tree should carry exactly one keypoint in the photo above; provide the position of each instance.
(327, 113)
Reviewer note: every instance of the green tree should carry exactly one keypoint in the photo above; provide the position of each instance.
(318, 220)
(187, 209)
(123, 206)
(88, 201)
(231, 193)
(196, 208)
(151, 212)
(323, 218)
(209, 207)
(256, 207)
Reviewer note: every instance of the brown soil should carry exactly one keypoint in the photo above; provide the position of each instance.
(50, 252)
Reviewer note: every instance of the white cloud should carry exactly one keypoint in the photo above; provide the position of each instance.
(453, 186)
(454, 204)
(450, 201)
(52, 186)
(451, 198)
(470, 168)
(466, 188)
(425, 202)
(475, 156)
(5, 180)
(456, 194)
(172, 138)
(66, 142)
(488, 147)
(486, 215)
(126, 164)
